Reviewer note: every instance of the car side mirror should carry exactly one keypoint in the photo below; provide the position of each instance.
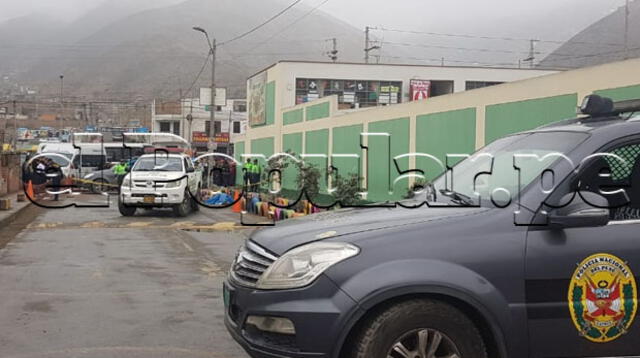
(190, 170)
(587, 209)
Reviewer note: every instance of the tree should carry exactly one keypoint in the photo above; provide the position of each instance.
(347, 190)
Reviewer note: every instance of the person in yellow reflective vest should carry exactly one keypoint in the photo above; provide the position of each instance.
(256, 170)
(120, 170)
(246, 175)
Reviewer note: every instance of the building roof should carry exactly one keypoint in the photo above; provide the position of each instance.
(401, 65)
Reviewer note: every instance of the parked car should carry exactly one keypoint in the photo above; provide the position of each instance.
(101, 181)
(161, 180)
(547, 272)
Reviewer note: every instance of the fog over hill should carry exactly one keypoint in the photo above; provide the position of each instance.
(601, 42)
(122, 48)
(155, 52)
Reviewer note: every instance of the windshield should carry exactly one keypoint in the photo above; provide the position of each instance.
(493, 167)
(158, 164)
(58, 159)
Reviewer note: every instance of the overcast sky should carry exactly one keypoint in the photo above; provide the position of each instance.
(407, 14)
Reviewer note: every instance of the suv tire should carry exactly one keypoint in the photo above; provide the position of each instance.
(182, 209)
(125, 210)
(194, 200)
(404, 324)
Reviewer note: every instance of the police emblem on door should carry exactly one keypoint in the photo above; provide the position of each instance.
(602, 298)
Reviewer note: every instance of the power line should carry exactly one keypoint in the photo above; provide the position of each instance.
(439, 60)
(453, 47)
(261, 25)
(288, 26)
(489, 37)
(204, 65)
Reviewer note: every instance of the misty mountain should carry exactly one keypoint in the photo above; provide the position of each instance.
(155, 52)
(601, 42)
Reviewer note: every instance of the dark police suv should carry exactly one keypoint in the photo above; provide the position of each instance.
(526, 249)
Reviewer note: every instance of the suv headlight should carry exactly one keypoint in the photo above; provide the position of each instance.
(173, 184)
(302, 265)
(126, 182)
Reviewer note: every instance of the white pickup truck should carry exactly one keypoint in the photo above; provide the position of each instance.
(160, 180)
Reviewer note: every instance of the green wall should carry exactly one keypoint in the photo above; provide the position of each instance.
(439, 134)
(270, 102)
(317, 142)
(262, 146)
(294, 116)
(508, 118)
(621, 93)
(292, 142)
(346, 140)
(238, 150)
(381, 168)
(318, 111)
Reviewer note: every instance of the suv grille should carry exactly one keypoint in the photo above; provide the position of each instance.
(252, 261)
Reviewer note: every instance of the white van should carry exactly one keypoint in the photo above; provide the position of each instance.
(85, 158)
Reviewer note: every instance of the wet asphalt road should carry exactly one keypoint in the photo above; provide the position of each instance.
(80, 282)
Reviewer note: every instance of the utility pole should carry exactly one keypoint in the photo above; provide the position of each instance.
(333, 54)
(626, 29)
(15, 125)
(367, 43)
(61, 101)
(532, 53)
(212, 49)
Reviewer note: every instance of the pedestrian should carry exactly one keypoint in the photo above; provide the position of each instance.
(205, 171)
(54, 172)
(246, 175)
(257, 170)
(226, 173)
(120, 170)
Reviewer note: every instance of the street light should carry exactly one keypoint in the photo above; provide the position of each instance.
(212, 48)
(61, 101)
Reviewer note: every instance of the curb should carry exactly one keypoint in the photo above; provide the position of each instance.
(7, 220)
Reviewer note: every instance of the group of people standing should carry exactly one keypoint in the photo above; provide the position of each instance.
(252, 174)
(43, 172)
(220, 173)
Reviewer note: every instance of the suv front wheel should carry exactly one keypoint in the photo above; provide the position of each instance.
(182, 209)
(126, 210)
(419, 329)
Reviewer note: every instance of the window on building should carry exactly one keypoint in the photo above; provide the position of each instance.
(176, 128)
(236, 127)
(439, 88)
(165, 127)
(479, 84)
(351, 93)
(217, 126)
(207, 127)
(240, 106)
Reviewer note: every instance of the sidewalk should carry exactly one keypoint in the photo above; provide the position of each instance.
(6, 216)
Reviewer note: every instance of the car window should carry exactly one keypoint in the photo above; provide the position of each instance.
(92, 160)
(620, 168)
(158, 163)
(467, 177)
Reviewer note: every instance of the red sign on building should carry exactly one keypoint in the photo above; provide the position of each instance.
(200, 137)
(419, 89)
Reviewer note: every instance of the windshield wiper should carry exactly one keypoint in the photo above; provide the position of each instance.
(458, 198)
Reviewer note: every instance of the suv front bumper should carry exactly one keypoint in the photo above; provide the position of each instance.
(143, 197)
(318, 313)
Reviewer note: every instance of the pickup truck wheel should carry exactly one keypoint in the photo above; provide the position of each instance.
(419, 329)
(126, 210)
(194, 201)
(182, 209)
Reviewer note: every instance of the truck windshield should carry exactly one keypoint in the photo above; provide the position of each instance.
(158, 164)
(493, 167)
